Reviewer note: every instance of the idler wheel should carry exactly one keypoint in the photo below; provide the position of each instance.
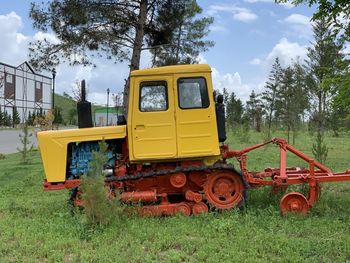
(294, 202)
(178, 180)
(199, 208)
(183, 208)
(224, 189)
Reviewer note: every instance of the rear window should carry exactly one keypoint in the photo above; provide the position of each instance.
(153, 96)
(193, 93)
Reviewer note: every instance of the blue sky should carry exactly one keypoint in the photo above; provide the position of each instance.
(248, 34)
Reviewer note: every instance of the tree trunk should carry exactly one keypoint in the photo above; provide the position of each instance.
(136, 52)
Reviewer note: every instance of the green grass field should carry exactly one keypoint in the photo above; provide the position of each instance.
(36, 226)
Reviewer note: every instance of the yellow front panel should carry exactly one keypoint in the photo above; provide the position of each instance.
(53, 146)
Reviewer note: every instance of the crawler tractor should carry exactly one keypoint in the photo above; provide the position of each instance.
(169, 154)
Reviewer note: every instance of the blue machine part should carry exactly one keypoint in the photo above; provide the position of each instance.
(81, 155)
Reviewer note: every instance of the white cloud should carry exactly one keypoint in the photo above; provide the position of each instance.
(287, 51)
(232, 82)
(298, 19)
(13, 44)
(255, 61)
(245, 16)
(217, 28)
(299, 25)
(202, 59)
(286, 5)
(238, 13)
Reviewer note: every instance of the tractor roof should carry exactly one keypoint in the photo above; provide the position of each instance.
(172, 70)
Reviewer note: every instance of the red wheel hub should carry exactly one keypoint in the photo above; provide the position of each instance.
(183, 208)
(199, 208)
(224, 189)
(294, 202)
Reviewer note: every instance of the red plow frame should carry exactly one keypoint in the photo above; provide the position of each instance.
(280, 178)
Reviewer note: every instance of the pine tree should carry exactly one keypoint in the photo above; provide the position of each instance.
(183, 27)
(270, 95)
(1, 117)
(27, 146)
(234, 112)
(254, 110)
(29, 119)
(323, 65)
(15, 116)
(7, 119)
(58, 116)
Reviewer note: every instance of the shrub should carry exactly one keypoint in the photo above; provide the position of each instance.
(99, 209)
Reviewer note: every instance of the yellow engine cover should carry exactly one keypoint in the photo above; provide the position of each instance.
(53, 146)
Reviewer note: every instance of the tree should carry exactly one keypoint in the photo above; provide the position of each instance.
(7, 119)
(270, 95)
(234, 111)
(226, 95)
(335, 11)
(324, 64)
(27, 146)
(1, 117)
(58, 116)
(72, 116)
(254, 111)
(30, 119)
(115, 29)
(15, 116)
(340, 115)
(183, 33)
(292, 98)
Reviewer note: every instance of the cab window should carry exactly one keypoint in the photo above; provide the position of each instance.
(153, 96)
(193, 93)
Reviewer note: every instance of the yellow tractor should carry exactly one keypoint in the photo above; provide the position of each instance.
(169, 155)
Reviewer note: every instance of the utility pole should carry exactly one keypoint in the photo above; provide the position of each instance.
(107, 104)
(53, 89)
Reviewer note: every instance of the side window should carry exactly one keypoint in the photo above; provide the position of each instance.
(193, 93)
(153, 96)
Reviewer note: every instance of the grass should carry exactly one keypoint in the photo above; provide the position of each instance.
(37, 226)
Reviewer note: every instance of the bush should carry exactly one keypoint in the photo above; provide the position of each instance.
(99, 209)
(27, 146)
(2, 156)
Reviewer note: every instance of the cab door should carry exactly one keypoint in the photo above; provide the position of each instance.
(195, 116)
(153, 122)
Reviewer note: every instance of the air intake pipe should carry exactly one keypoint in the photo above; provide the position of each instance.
(84, 109)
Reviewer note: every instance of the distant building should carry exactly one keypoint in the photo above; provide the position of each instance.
(23, 89)
(101, 116)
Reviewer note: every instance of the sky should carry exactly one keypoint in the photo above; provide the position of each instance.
(248, 36)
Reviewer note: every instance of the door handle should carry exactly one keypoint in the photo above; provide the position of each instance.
(140, 127)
